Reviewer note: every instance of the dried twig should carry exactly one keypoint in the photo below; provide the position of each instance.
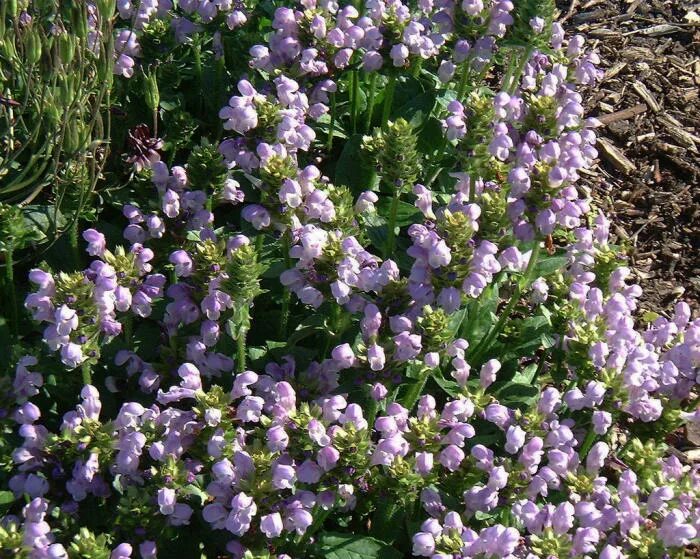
(572, 9)
(656, 30)
(618, 159)
(624, 114)
(676, 130)
(646, 95)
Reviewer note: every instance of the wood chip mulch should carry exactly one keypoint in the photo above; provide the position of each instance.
(647, 179)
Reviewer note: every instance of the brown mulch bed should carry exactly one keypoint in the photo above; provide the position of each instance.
(649, 102)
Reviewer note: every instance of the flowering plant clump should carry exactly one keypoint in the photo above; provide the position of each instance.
(340, 297)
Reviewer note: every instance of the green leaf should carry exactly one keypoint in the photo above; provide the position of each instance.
(311, 325)
(481, 315)
(535, 323)
(417, 110)
(145, 339)
(455, 322)
(5, 339)
(376, 228)
(407, 89)
(446, 98)
(450, 387)
(550, 265)
(274, 269)
(415, 370)
(257, 353)
(388, 521)
(526, 375)
(533, 333)
(39, 221)
(407, 214)
(518, 395)
(6, 497)
(352, 169)
(324, 124)
(430, 138)
(196, 492)
(335, 545)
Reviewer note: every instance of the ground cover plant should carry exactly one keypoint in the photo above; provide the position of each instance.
(317, 279)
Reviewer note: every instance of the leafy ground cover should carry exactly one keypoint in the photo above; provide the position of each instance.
(318, 279)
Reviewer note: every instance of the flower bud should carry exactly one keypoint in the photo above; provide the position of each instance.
(487, 375)
(66, 48)
(378, 392)
(74, 137)
(65, 91)
(106, 8)
(32, 47)
(51, 112)
(151, 91)
(424, 462)
(79, 22)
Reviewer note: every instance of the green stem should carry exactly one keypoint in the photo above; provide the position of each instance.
(355, 80)
(172, 344)
(73, 239)
(197, 55)
(10, 289)
(624, 447)
(487, 340)
(415, 390)
(385, 518)
(515, 78)
(334, 320)
(370, 100)
(439, 169)
(128, 328)
(417, 68)
(10, 111)
(463, 82)
(220, 88)
(388, 100)
(587, 443)
(372, 408)
(331, 125)
(391, 233)
(86, 373)
(155, 122)
(240, 349)
(286, 294)
(508, 74)
(319, 515)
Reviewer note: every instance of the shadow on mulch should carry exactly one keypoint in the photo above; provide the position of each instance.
(649, 103)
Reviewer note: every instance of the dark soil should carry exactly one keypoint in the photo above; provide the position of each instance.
(649, 102)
